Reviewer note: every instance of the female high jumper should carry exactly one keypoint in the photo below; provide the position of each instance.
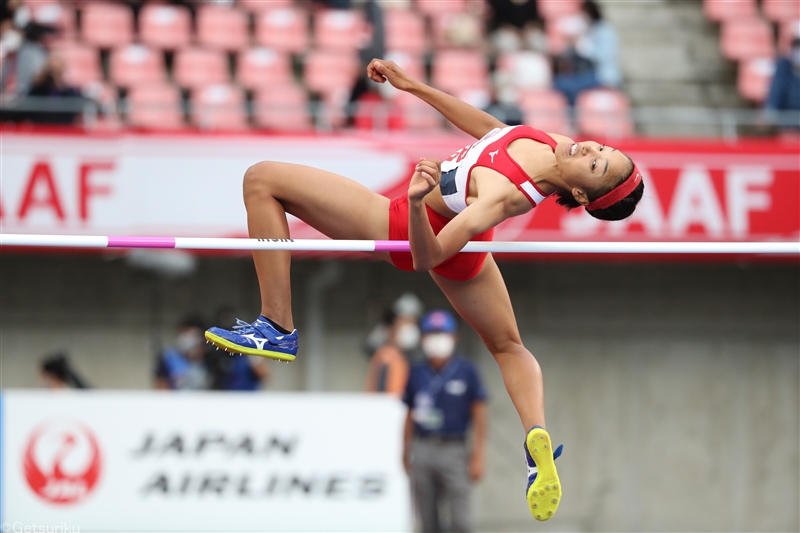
(506, 173)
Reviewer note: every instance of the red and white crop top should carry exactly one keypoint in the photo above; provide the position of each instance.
(490, 152)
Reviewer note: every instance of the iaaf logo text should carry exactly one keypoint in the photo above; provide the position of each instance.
(62, 461)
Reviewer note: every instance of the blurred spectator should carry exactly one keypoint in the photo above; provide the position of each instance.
(182, 367)
(444, 395)
(591, 59)
(57, 373)
(235, 372)
(50, 84)
(374, 46)
(22, 48)
(515, 25)
(408, 304)
(503, 106)
(784, 91)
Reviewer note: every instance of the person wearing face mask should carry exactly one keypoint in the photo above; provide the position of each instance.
(183, 366)
(388, 367)
(445, 396)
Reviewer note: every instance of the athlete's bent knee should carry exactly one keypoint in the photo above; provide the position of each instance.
(258, 179)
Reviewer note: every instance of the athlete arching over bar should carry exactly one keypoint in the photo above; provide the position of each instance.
(505, 174)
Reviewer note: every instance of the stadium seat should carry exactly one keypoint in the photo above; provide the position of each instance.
(786, 32)
(282, 107)
(59, 15)
(754, 78)
(456, 30)
(284, 29)
(164, 26)
(106, 25)
(106, 96)
(81, 63)
(222, 28)
(219, 107)
(329, 72)
(524, 70)
(196, 67)
(746, 38)
(554, 9)
(260, 68)
(722, 10)
(545, 109)
(136, 65)
(261, 6)
(156, 106)
(604, 113)
(405, 31)
(437, 7)
(780, 11)
(459, 70)
(416, 114)
(338, 29)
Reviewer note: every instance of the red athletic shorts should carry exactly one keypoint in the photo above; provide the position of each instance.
(460, 267)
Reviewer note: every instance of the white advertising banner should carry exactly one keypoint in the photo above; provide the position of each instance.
(150, 461)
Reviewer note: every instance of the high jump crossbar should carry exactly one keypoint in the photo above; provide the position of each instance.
(326, 245)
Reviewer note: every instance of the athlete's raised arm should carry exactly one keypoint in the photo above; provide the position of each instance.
(465, 117)
(429, 250)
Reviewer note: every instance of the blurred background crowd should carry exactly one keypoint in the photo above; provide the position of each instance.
(564, 65)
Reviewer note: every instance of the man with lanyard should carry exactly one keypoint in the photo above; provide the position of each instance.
(443, 395)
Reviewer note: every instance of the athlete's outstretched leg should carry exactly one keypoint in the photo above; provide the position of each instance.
(336, 206)
(484, 303)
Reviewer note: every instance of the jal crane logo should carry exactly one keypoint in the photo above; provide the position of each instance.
(62, 461)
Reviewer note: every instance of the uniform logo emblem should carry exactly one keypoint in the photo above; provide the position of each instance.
(62, 461)
(492, 154)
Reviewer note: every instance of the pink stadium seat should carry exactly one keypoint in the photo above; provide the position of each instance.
(722, 10)
(262, 6)
(136, 65)
(553, 9)
(436, 7)
(779, 11)
(196, 67)
(283, 29)
(282, 107)
(339, 29)
(56, 14)
(260, 68)
(746, 38)
(219, 107)
(545, 109)
(604, 113)
(459, 70)
(222, 28)
(405, 31)
(416, 114)
(156, 106)
(330, 72)
(786, 32)
(754, 78)
(524, 70)
(81, 63)
(164, 26)
(106, 25)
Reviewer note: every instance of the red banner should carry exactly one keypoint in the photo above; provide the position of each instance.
(190, 185)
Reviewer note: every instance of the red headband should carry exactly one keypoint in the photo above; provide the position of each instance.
(617, 193)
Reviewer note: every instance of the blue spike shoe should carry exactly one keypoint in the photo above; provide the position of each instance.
(259, 338)
(544, 487)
